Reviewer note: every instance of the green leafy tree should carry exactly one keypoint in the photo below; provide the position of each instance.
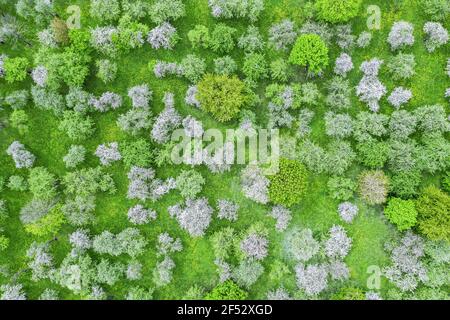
(227, 291)
(288, 186)
(42, 183)
(15, 69)
(433, 207)
(311, 52)
(19, 120)
(221, 95)
(337, 11)
(137, 153)
(190, 183)
(402, 213)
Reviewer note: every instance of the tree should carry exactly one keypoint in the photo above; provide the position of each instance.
(105, 10)
(338, 244)
(60, 31)
(338, 125)
(437, 9)
(12, 292)
(402, 66)
(236, 9)
(135, 120)
(194, 217)
(300, 245)
(17, 183)
(282, 35)
(19, 120)
(140, 96)
(373, 187)
(136, 153)
(221, 95)
(74, 156)
(108, 153)
(311, 52)
(139, 215)
(163, 36)
(279, 70)
(88, 181)
(348, 211)
(255, 67)
(341, 188)
(433, 207)
(399, 97)
(227, 210)
(255, 245)
(251, 41)
(401, 35)
(343, 65)
(288, 186)
(107, 70)
(313, 279)
(227, 290)
(337, 11)
(76, 126)
(80, 210)
(402, 213)
(247, 272)
(166, 10)
(199, 37)
(15, 69)
(47, 225)
(435, 36)
(78, 100)
(193, 67)
(17, 99)
(339, 93)
(190, 183)
(372, 153)
(222, 38)
(109, 272)
(163, 274)
(255, 185)
(42, 183)
(107, 101)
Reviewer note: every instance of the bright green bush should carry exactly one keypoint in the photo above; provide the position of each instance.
(349, 293)
(199, 37)
(227, 291)
(337, 11)
(402, 213)
(433, 207)
(222, 38)
(15, 69)
(341, 188)
(136, 153)
(221, 95)
(311, 52)
(373, 154)
(190, 183)
(288, 186)
(48, 225)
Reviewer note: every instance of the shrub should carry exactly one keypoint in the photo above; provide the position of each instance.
(349, 293)
(372, 153)
(222, 96)
(348, 211)
(300, 245)
(435, 36)
(193, 67)
(433, 207)
(288, 186)
(163, 36)
(436, 9)
(15, 69)
(225, 65)
(135, 120)
(405, 184)
(255, 67)
(311, 52)
(255, 185)
(402, 213)
(190, 183)
(227, 290)
(373, 187)
(105, 10)
(247, 273)
(251, 41)
(21, 156)
(337, 11)
(166, 10)
(279, 70)
(47, 225)
(402, 66)
(282, 35)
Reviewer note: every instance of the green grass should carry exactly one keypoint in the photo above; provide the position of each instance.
(195, 263)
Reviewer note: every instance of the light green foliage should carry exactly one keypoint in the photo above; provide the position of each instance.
(311, 52)
(402, 213)
(16, 69)
(337, 11)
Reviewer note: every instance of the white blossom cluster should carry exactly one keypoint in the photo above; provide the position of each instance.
(282, 35)
(140, 96)
(40, 76)
(194, 216)
(163, 69)
(344, 65)
(228, 9)
(102, 39)
(163, 36)
(435, 36)
(401, 35)
(107, 101)
(144, 186)
(399, 97)
(192, 127)
(255, 246)
(80, 240)
(407, 270)
(255, 185)
(190, 98)
(224, 269)
(166, 244)
(21, 156)
(338, 244)
(370, 89)
(282, 215)
(348, 211)
(227, 210)
(140, 215)
(167, 121)
(40, 261)
(46, 38)
(313, 279)
(108, 153)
